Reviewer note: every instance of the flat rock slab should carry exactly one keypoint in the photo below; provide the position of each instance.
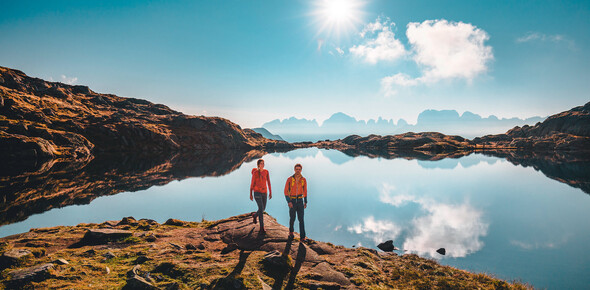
(330, 275)
(13, 257)
(36, 273)
(96, 236)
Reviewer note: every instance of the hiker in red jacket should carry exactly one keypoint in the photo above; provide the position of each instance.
(296, 196)
(260, 178)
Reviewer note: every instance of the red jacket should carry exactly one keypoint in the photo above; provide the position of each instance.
(259, 181)
(294, 189)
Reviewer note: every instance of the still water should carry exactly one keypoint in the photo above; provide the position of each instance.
(490, 215)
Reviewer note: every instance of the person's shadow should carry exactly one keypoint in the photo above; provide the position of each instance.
(301, 253)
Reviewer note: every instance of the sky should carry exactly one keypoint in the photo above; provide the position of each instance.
(255, 61)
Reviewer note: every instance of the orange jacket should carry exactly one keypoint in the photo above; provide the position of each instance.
(294, 190)
(259, 181)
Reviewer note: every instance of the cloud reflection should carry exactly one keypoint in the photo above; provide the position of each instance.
(457, 228)
(377, 230)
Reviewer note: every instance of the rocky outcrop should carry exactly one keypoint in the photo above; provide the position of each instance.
(566, 131)
(44, 120)
(426, 145)
(257, 261)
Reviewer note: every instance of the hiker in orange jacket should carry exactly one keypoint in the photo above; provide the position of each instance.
(260, 179)
(296, 196)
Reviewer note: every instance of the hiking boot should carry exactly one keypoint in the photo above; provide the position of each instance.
(254, 218)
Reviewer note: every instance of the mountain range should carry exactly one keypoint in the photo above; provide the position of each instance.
(340, 125)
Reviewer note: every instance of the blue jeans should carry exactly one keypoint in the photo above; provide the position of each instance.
(261, 202)
(297, 209)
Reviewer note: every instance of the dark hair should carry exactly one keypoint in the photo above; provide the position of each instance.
(298, 165)
(259, 161)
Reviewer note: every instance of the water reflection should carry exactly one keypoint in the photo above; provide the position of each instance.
(58, 184)
(493, 214)
(456, 227)
(572, 168)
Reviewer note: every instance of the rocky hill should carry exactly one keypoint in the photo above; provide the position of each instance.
(45, 120)
(566, 131)
(225, 254)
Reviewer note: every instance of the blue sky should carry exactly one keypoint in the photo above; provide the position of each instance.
(254, 61)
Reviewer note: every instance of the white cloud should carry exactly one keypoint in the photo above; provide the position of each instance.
(339, 50)
(320, 44)
(556, 38)
(68, 80)
(555, 243)
(377, 230)
(443, 50)
(382, 47)
(449, 49)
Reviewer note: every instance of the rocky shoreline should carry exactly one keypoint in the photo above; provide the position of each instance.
(224, 254)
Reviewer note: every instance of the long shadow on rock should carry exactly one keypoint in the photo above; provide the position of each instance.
(301, 253)
(67, 183)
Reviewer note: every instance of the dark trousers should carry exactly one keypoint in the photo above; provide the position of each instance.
(298, 209)
(261, 202)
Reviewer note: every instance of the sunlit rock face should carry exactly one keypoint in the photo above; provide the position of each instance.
(48, 120)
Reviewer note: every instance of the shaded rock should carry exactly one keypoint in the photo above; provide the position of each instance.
(32, 274)
(174, 222)
(89, 253)
(141, 260)
(387, 246)
(229, 248)
(133, 271)
(108, 255)
(228, 283)
(275, 260)
(101, 236)
(328, 274)
(190, 247)
(169, 269)
(60, 261)
(138, 282)
(150, 238)
(172, 286)
(441, 251)
(322, 248)
(14, 257)
(127, 221)
(176, 246)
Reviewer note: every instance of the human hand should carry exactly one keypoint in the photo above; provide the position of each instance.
(251, 198)
(305, 205)
(290, 205)
(270, 196)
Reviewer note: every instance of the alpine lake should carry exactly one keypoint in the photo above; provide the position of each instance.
(514, 219)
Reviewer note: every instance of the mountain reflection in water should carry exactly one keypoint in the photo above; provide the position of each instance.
(58, 184)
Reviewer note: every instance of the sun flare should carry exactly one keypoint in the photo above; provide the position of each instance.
(337, 17)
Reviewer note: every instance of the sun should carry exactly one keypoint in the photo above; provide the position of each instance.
(337, 17)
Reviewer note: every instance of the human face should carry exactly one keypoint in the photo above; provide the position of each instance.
(261, 165)
(298, 170)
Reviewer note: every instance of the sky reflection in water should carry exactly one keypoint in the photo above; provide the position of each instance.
(490, 215)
